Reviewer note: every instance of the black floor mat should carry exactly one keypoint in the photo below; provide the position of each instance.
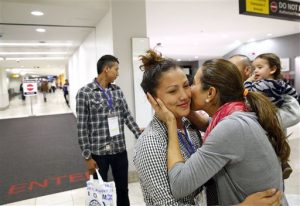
(39, 156)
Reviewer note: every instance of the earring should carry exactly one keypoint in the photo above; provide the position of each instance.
(206, 100)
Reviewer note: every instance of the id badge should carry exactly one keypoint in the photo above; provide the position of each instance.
(108, 147)
(200, 199)
(113, 125)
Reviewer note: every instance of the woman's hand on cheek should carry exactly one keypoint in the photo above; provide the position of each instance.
(161, 111)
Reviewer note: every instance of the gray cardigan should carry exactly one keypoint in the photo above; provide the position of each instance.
(289, 113)
(239, 156)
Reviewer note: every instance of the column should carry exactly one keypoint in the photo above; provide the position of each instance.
(4, 99)
(128, 21)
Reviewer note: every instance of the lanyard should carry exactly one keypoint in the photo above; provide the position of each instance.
(187, 143)
(107, 95)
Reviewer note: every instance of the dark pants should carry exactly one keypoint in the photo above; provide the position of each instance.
(119, 167)
(66, 96)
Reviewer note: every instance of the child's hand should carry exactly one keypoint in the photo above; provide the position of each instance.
(251, 78)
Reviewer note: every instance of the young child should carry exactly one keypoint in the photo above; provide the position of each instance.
(266, 78)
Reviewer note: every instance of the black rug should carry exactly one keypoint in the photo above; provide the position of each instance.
(39, 156)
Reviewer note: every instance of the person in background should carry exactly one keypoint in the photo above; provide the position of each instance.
(164, 79)
(289, 113)
(244, 65)
(266, 78)
(45, 89)
(49, 87)
(22, 92)
(53, 85)
(242, 142)
(102, 112)
(65, 89)
(190, 78)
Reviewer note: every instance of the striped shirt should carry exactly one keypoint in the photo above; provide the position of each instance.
(93, 109)
(150, 160)
(274, 89)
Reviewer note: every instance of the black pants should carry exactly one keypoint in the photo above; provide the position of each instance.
(66, 96)
(119, 167)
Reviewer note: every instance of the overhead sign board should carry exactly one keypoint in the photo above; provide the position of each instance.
(30, 87)
(280, 9)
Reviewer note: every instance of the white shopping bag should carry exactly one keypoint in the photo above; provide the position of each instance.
(100, 193)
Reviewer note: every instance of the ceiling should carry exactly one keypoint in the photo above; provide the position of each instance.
(208, 28)
(186, 29)
(67, 24)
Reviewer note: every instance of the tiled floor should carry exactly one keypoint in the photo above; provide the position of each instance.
(56, 104)
(77, 198)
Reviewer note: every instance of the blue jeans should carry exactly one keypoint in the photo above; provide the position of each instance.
(119, 167)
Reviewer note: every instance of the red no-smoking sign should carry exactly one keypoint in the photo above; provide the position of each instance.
(30, 87)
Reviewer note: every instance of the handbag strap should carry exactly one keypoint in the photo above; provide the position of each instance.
(99, 178)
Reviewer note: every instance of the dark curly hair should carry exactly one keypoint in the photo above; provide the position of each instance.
(153, 66)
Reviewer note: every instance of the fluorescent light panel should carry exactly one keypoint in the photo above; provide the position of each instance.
(36, 58)
(36, 44)
(31, 53)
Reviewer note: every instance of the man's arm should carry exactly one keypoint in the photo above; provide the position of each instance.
(129, 120)
(82, 112)
(269, 197)
(289, 113)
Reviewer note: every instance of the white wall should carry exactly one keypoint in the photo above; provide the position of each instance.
(143, 110)
(4, 100)
(129, 21)
(297, 74)
(104, 35)
(14, 83)
(82, 67)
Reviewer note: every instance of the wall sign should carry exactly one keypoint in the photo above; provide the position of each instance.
(285, 64)
(280, 9)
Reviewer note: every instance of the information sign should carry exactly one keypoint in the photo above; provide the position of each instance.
(280, 9)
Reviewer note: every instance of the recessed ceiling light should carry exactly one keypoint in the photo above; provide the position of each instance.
(251, 40)
(269, 34)
(237, 42)
(40, 30)
(224, 36)
(37, 13)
